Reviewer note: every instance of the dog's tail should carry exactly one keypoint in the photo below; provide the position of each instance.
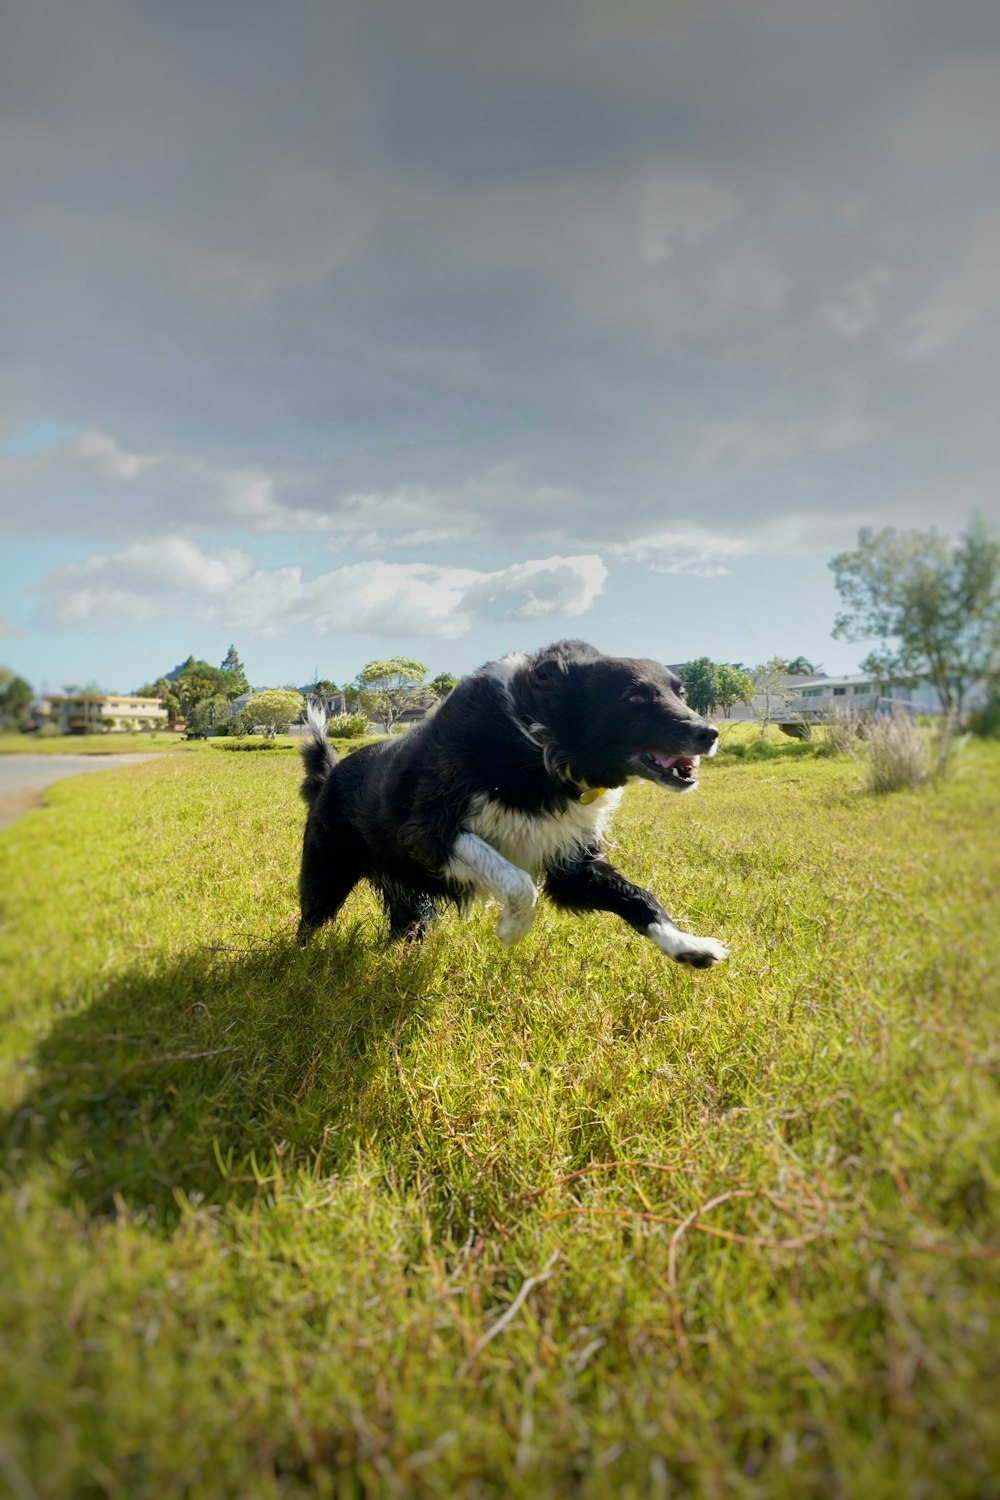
(317, 756)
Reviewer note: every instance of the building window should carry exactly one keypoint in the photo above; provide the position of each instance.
(865, 687)
(840, 692)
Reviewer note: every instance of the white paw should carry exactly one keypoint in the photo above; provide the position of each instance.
(685, 948)
(517, 916)
(703, 953)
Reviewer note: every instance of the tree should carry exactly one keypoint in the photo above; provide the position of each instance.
(770, 693)
(194, 681)
(15, 699)
(188, 686)
(273, 709)
(386, 684)
(323, 688)
(194, 688)
(734, 686)
(198, 680)
(240, 723)
(232, 667)
(442, 684)
(701, 681)
(164, 690)
(801, 666)
(208, 713)
(932, 603)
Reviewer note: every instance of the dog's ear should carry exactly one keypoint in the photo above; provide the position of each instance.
(547, 671)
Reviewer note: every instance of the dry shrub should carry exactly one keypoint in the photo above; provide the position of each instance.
(842, 729)
(898, 751)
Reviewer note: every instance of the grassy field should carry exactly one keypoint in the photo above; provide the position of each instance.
(138, 744)
(564, 1220)
(89, 744)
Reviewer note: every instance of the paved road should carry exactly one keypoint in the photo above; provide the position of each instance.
(22, 777)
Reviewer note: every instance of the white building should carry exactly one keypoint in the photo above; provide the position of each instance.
(83, 713)
(862, 693)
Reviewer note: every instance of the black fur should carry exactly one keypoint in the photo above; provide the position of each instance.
(532, 734)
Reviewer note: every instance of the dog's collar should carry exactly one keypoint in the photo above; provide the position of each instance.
(536, 734)
(585, 794)
(592, 794)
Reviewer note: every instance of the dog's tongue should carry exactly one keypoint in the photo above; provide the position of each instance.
(666, 762)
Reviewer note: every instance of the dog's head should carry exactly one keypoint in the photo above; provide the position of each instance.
(606, 718)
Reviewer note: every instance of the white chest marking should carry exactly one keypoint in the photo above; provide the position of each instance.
(538, 841)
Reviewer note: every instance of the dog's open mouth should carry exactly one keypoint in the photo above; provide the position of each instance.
(677, 771)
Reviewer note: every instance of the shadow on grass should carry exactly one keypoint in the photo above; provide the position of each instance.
(184, 1076)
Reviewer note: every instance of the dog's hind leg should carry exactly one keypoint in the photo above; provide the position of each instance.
(410, 912)
(592, 884)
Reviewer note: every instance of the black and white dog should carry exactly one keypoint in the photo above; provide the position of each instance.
(512, 781)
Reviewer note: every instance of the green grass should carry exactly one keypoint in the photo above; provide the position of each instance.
(89, 744)
(564, 1220)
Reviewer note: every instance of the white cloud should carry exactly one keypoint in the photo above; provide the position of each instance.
(146, 580)
(552, 587)
(707, 553)
(415, 514)
(689, 550)
(853, 310)
(90, 485)
(309, 225)
(956, 119)
(736, 449)
(173, 576)
(107, 456)
(972, 291)
(681, 211)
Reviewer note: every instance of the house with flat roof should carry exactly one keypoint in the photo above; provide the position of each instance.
(100, 713)
(818, 697)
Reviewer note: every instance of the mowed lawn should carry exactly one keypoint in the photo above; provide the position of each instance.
(90, 744)
(567, 1220)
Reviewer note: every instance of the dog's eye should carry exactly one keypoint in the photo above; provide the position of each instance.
(637, 698)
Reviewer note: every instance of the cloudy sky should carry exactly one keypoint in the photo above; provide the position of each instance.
(349, 328)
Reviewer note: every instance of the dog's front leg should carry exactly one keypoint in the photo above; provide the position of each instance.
(475, 861)
(592, 884)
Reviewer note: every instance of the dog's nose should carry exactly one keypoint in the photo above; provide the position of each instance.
(706, 736)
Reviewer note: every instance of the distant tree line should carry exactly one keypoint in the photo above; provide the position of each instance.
(202, 695)
(199, 693)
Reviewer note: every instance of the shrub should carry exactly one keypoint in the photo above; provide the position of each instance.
(254, 744)
(898, 752)
(985, 721)
(842, 729)
(347, 726)
(240, 723)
